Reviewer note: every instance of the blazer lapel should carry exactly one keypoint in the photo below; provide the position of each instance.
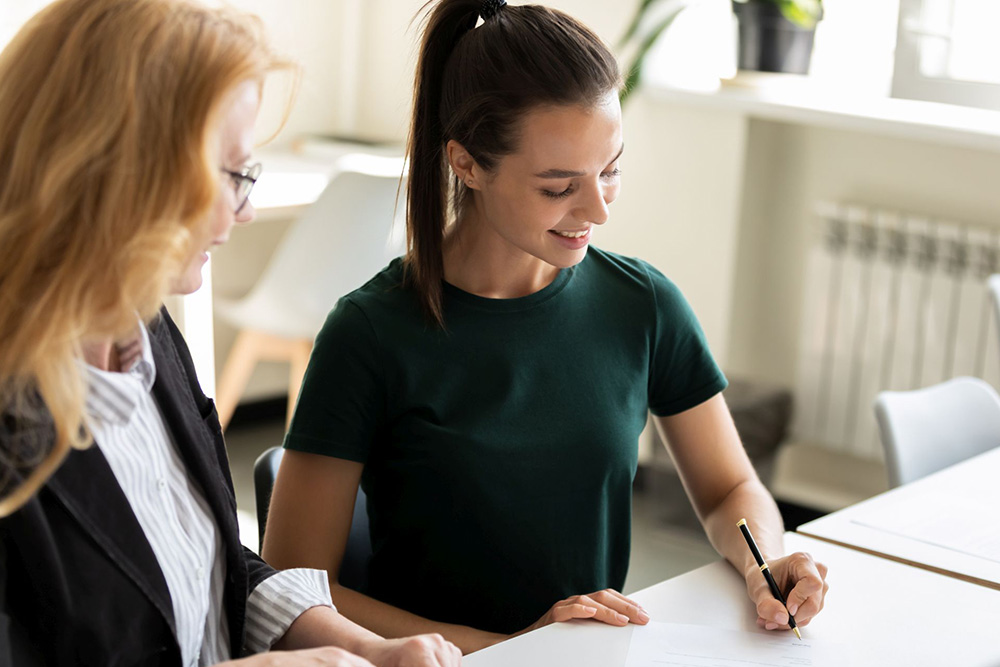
(194, 440)
(87, 487)
(191, 419)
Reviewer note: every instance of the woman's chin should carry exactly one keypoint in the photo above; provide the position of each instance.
(189, 283)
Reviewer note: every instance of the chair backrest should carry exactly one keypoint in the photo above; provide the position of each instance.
(993, 283)
(928, 429)
(349, 234)
(354, 567)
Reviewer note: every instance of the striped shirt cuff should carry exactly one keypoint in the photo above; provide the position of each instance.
(280, 599)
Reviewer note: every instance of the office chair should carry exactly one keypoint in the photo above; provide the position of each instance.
(347, 236)
(354, 567)
(928, 429)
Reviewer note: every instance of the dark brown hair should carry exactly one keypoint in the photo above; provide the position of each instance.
(474, 85)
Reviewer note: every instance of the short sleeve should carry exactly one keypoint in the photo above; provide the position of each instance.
(342, 400)
(682, 371)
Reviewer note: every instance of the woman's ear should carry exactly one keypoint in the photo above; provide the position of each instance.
(463, 164)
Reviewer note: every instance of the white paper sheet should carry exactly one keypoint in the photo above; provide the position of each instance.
(677, 645)
(956, 521)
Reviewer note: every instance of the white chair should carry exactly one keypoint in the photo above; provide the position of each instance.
(993, 282)
(351, 232)
(928, 429)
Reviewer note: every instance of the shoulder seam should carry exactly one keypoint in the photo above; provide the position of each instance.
(379, 350)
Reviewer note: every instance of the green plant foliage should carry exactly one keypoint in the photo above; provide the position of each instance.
(646, 27)
(803, 13)
(645, 38)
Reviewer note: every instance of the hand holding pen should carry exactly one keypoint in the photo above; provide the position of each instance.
(797, 573)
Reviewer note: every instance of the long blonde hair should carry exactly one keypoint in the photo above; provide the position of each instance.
(107, 108)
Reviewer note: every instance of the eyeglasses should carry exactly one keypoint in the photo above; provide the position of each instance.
(243, 182)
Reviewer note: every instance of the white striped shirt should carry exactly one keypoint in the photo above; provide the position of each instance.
(128, 427)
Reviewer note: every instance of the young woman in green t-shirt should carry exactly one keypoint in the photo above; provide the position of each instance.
(488, 390)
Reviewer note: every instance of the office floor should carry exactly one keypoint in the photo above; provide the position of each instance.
(665, 540)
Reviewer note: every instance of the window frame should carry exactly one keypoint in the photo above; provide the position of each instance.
(908, 82)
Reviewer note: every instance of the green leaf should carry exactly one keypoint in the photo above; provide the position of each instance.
(803, 13)
(633, 26)
(635, 69)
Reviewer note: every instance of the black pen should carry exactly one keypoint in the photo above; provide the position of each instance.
(766, 571)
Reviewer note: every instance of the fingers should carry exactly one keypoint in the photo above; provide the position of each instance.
(607, 606)
(807, 580)
(622, 605)
(808, 593)
(772, 612)
(769, 610)
(567, 611)
(613, 608)
(430, 651)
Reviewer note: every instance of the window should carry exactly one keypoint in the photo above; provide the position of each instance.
(947, 51)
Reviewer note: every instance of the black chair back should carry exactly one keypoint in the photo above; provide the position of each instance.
(354, 567)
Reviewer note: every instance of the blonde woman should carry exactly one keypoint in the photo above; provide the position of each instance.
(125, 136)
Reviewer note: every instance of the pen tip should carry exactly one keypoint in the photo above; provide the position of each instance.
(741, 522)
(797, 633)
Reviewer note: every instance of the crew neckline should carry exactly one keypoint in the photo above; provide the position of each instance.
(532, 300)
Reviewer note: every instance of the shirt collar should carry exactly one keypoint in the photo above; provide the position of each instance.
(114, 396)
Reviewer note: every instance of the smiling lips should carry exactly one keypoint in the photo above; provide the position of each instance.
(574, 239)
(571, 235)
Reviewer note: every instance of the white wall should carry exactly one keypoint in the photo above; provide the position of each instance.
(391, 40)
(790, 167)
(719, 203)
(307, 31)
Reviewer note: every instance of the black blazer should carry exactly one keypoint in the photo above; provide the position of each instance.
(80, 584)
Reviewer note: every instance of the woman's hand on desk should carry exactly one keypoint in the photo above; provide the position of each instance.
(803, 582)
(328, 656)
(430, 650)
(606, 606)
(418, 651)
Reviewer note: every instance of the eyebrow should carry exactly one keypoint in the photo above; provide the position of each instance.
(566, 173)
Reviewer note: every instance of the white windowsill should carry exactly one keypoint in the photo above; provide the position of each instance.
(799, 100)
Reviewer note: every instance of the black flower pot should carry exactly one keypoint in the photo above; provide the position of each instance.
(769, 42)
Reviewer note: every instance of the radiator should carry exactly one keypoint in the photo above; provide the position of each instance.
(891, 300)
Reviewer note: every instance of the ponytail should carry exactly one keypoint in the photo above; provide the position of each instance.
(428, 181)
(473, 85)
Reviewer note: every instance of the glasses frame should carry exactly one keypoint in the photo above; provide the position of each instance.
(245, 178)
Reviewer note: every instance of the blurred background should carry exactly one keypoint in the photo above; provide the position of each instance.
(832, 225)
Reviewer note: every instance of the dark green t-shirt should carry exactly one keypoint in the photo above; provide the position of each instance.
(499, 454)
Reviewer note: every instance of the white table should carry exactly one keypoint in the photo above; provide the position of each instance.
(885, 612)
(930, 523)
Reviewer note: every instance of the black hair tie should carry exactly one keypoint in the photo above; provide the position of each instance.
(491, 8)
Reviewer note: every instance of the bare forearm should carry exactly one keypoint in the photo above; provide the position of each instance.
(749, 500)
(322, 626)
(391, 622)
(323, 636)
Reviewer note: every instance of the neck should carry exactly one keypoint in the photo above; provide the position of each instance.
(101, 355)
(480, 262)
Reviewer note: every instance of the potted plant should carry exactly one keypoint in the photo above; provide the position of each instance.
(774, 35)
(777, 35)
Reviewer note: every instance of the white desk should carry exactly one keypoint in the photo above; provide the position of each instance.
(292, 180)
(885, 612)
(944, 502)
